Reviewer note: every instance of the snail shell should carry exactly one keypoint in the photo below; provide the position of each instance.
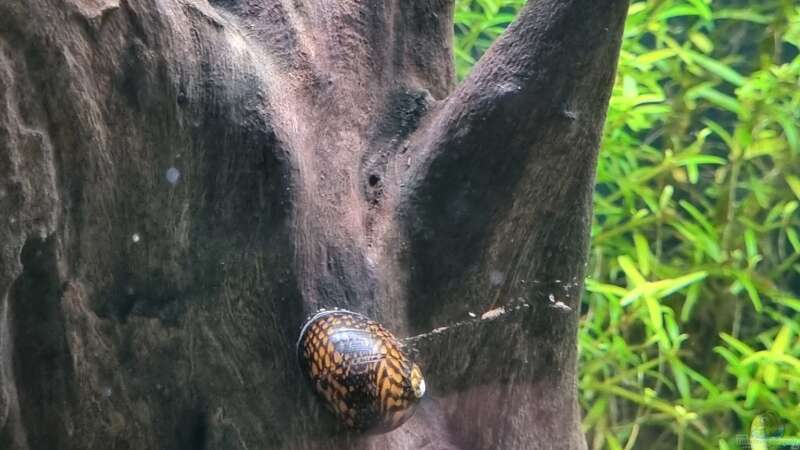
(359, 370)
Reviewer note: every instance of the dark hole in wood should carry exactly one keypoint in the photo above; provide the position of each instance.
(374, 180)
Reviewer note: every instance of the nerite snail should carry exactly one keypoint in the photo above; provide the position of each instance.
(359, 370)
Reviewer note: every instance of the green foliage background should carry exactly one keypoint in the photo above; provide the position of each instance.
(690, 335)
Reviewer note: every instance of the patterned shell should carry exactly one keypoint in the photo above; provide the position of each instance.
(359, 370)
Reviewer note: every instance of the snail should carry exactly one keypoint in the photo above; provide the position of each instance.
(359, 370)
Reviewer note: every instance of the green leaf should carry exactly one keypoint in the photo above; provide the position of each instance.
(632, 295)
(606, 289)
(744, 14)
(717, 68)
(666, 195)
(681, 379)
(692, 295)
(794, 184)
(720, 131)
(596, 412)
(702, 9)
(779, 346)
(787, 301)
(678, 11)
(737, 345)
(655, 56)
(675, 284)
(764, 355)
(781, 343)
(701, 41)
(764, 147)
(751, 244)
(794, 239)
(717, 98)
(643, 254)
(701, 218)
(700, 159)
(613, 442)
(752, 292)
(654, 312)
(627, 266)
(734, 362)
(753, 391)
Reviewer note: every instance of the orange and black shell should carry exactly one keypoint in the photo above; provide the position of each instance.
(359, 370)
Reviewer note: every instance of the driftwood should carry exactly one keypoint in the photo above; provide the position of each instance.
(183, 181)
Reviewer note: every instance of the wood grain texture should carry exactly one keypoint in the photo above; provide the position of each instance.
(183, 182)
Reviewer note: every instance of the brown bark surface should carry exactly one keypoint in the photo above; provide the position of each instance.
(325, 157)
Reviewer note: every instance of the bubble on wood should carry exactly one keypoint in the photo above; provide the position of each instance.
(173, 175)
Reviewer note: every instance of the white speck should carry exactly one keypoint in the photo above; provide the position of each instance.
(558, 304)
(439, 330)
(493, 313)
(107, 391)
(472, 314)
(507, 88)
(129, 290)
(173, 175)
(496, 277)
(562, 306)
(136, 238)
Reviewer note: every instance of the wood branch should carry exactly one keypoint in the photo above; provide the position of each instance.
(515, 143)
(496, 201)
